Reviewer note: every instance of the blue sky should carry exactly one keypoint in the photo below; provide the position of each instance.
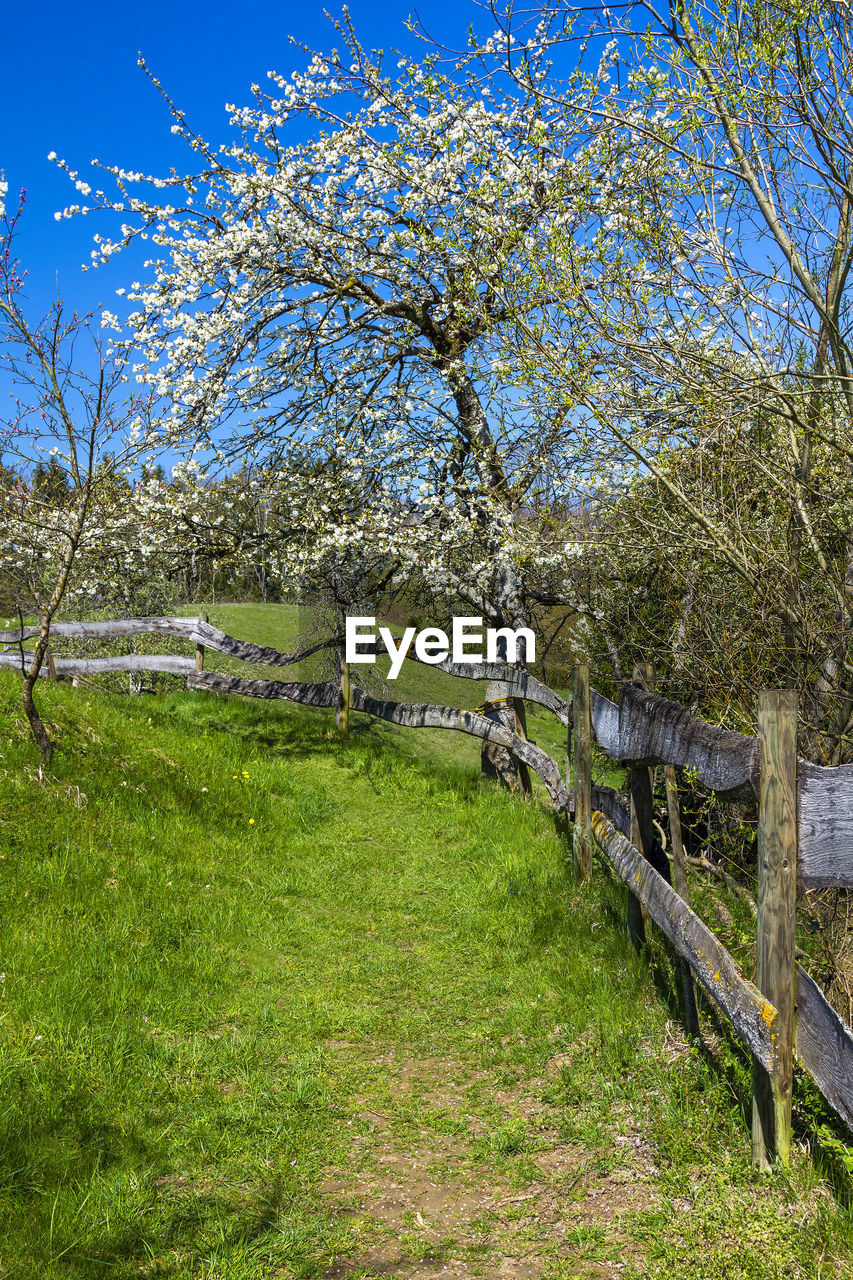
(69, 83)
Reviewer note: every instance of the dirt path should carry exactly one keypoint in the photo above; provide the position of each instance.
(452, 1174)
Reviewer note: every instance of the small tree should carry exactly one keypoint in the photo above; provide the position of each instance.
(74, 435)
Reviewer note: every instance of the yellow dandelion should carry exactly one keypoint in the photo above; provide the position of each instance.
(245, 773)
(251, 822)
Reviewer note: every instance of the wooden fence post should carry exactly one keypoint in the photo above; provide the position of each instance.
(569, 753)
(642, 812)
(777, 911)
(582, 840)
(679, 875)
(569, 814)
(134, 678)
(199, 650)
(521, 732)
(644, 674)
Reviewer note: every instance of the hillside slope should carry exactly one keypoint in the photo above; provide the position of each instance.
(277, 1005)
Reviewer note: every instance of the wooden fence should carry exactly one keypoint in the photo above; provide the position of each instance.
(805, 826)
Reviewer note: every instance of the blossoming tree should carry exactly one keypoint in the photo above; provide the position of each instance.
(332, 284)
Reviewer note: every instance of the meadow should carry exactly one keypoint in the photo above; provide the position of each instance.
(275, 1003)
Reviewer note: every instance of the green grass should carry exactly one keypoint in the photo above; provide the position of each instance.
(260, 983)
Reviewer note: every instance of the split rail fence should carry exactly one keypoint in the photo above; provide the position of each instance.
(805, 826)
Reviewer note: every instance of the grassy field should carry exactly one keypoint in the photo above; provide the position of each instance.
(279, 626)
(275, 1004)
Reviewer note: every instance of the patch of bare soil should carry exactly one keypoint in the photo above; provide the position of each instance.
(425, 1202)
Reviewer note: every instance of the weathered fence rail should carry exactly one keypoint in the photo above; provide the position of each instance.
(412, 715)
(196, 630)
(167, 663)
(644, 729)
(825, 1046)
(751, 1015)
(825, 826)
(805, 824)
(110, 629)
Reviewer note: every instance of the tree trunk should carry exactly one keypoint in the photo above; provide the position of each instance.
(497, 761)
(37, 728)
(46, 615)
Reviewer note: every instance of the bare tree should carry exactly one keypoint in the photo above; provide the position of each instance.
(71, 406)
